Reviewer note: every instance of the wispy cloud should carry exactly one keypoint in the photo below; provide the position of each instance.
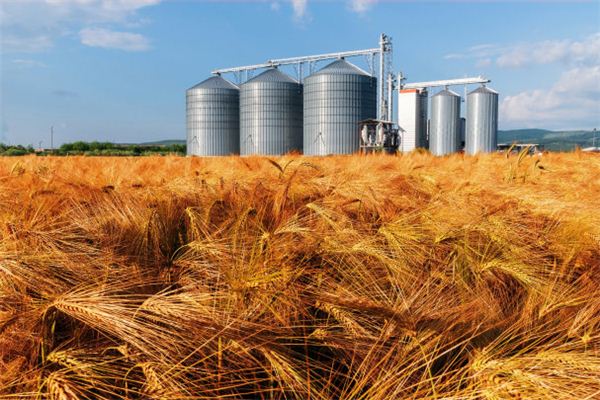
(299, 7)
(10, 42)
(567, 51)
(551, 51)
(30, 26)
(108, 39)
(573, 101)
(27, 63)
(361, 6)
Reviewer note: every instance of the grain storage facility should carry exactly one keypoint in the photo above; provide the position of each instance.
(270, 114)
(336, 98)
(340, 109)
(444, 127)
(482, 121)
(213, 118)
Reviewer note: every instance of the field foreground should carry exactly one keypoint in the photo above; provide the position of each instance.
(300, 278)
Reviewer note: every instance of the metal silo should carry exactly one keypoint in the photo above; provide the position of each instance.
(213, 118)
(482, 121)
(270, 114)
(444, 128)
(336, 98)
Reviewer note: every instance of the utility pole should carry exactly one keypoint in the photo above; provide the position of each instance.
(52, 138)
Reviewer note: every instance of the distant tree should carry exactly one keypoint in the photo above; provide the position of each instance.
(93, 146)
(80, 146)
(178, 148)
(15, 151)
(96, 148)
(65, 148)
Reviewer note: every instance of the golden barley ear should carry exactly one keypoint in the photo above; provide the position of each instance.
(359, 277)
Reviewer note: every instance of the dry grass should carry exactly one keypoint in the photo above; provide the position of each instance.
(364, 277)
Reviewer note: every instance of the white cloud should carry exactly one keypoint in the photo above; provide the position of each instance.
(25, 44)
(572, 102)
(99, 37)
(361, 6)
(99, 10)
(551, 51)
(567, 51)
(299, 7)
(27, 63)
(34, 25)
(454, 56)
(300, 11)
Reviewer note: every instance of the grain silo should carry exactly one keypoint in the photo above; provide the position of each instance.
(482, 121)
(270, 114)
(444, 128)
(213, 118)
(336, 98)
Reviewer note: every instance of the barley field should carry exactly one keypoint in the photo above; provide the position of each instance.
(357, 277)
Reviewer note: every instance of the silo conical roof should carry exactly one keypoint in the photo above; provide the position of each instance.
(484, 89)
(215, 82)
(341, 67)
(446, 92)
(272, 75)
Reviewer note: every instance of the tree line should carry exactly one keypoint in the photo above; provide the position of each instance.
(96, 149)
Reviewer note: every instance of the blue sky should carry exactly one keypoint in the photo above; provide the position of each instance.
(117, 70)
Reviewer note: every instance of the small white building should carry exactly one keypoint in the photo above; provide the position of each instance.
(412, 119)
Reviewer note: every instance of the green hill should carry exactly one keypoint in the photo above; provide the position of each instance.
(551, 140)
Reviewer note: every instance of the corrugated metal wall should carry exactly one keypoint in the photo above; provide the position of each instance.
(270, 114)
(482, 121)
(213, 118)
(444, 129)
(336, 98)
